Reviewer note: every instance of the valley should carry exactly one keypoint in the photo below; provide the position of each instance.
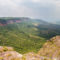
(26, 34)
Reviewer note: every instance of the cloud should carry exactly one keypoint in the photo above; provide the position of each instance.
(35, 1)
(44, 9)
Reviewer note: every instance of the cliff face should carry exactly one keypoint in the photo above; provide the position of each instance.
(51, 49)
(5, 22)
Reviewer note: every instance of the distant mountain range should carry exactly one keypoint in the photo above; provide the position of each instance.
(41, 25)
(17, 20)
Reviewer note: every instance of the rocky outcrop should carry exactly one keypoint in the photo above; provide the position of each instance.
(51, 49)
(7, 53)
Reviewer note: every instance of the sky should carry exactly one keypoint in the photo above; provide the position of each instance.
(48, 10)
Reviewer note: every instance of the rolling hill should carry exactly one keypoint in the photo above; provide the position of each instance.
(26, 34)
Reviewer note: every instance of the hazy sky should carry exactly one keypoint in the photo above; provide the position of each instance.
(43, 9)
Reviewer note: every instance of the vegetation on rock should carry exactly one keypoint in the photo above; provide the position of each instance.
(51, 49)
